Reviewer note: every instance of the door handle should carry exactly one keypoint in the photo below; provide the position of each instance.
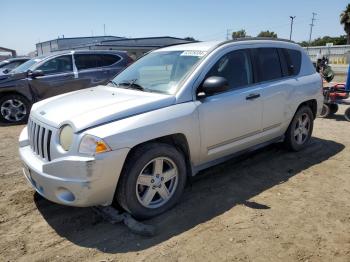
(252, 96)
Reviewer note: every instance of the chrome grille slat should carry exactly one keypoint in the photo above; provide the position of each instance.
(39, 139)
(28, 130)
(35, 136)
(40, 149)
(32, 134)
(45, 144)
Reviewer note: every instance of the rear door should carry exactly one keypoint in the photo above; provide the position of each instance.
(275, 87)
(58, 77)
(90, 70)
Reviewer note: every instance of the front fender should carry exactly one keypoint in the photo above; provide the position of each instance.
(176, 119)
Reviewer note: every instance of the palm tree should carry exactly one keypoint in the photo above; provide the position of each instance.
(345, 21)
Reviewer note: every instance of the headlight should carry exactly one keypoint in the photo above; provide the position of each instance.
(92, 145)
(66, 137)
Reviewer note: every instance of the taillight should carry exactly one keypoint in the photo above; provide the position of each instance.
(129, 61)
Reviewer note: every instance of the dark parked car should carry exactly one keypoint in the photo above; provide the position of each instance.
(7, 65)
(44, 77)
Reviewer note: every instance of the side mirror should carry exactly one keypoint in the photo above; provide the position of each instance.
(35, 73)
(213, 85)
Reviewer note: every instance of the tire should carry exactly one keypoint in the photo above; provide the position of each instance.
(300, 129)
(14, 108)
(333, 109)
(347, 114)
(140, 191)
(326, 111)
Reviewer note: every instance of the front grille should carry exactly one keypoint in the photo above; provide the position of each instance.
(40, 139)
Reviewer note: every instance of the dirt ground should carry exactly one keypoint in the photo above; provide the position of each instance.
(273, 205)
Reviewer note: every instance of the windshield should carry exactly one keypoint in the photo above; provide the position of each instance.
(159, 71)
(25, 66)
(4, 63)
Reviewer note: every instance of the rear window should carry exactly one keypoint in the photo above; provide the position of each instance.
(268, 62)
(87, 61)
(108, 60)
(293, 61)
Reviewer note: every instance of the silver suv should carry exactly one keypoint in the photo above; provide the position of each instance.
(174, 112)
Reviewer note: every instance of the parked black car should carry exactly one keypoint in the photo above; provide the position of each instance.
(7, 65)
(43, 77)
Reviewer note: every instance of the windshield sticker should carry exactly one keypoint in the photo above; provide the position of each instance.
(193, 53)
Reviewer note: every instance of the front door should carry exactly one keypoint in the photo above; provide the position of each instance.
(231, 121)
(58, 78)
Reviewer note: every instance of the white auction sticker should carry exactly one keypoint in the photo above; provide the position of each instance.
(193, 53)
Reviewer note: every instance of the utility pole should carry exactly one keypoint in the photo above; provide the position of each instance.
(311, 26)
(228, 34)
(104, 29)
(291, 26)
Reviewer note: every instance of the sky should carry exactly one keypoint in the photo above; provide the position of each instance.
(24, 23)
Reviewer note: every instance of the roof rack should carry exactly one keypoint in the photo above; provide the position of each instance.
(259, 38)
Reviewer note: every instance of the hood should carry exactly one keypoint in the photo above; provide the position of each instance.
(94, 106)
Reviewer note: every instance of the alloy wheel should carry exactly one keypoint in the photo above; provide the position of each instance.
(13, 110)
(302, 129)
(157, 182)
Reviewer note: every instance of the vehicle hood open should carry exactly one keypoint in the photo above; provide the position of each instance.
(95, 106)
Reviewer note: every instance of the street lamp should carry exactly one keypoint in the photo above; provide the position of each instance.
(291, 26)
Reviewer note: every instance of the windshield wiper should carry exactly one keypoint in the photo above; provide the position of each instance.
(130, 84)
(111, 83)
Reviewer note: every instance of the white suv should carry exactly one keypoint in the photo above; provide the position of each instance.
(172, 113)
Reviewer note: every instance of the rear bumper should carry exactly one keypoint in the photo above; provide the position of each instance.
(74, 180)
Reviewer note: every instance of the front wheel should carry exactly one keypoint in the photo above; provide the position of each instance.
(300, 129)
(152, 181)
(14, 109)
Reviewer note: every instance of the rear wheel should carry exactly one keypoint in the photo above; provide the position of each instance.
(333, 109)
(14, 109)
(300, 129)
(152, 180)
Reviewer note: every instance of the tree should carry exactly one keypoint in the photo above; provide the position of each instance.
(345, 21)
(190, 38)
(322, 41)
(239, 34)
(267, 34)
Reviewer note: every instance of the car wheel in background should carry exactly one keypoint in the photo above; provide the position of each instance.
(326, 111)
(347, 114)
(152, 181)
(333, 109)
(300, 129)
(14, 109)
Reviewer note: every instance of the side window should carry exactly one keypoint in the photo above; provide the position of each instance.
(268, 63)
(235, 67)
(294, 61)
(108, 60)
(87, 61)
(57, 65)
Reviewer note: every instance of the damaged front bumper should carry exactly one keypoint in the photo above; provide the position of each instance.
(73, 180)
